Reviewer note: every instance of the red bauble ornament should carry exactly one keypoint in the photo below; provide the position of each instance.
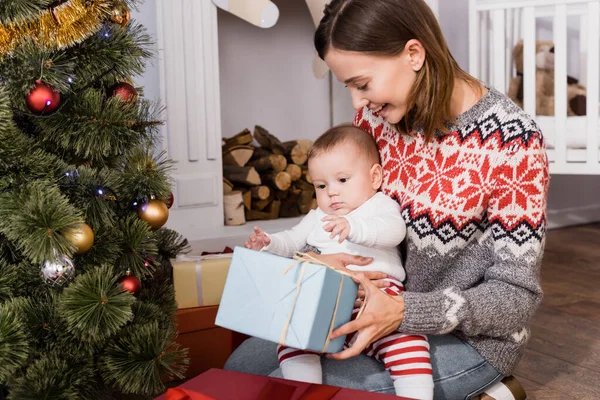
(169, 202)
(130, 283)
(42, 99)
(125, 91)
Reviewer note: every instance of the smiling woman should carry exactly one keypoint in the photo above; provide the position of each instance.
(472, 194)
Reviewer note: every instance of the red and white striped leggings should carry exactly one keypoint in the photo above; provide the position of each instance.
(401, 354)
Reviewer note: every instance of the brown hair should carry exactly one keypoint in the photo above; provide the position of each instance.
(345, 133)
(382, 27)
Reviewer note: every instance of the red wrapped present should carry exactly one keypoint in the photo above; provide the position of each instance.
(218, 384)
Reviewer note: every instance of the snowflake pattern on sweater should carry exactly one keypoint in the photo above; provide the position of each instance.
(474, 203)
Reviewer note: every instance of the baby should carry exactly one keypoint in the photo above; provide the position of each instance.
(353, 217)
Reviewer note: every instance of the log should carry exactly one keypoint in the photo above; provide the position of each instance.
(295, 171)
(289, 206)
(227, 186)
(244, 137)
(297, 150)
(260, 152)
(277, 180)
(267, 140)
(271, 212)
(306, 175)
(247, 198)
(260, 192)
(260, 205)
(302, 184)
(242, 175)
(305, 201)
(237, 155)
(272, 161)
(233, 208)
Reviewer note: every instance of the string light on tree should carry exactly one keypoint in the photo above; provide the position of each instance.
(57, 272)
(155, 213)
(130, 283)
(42, 99)
(82, 237)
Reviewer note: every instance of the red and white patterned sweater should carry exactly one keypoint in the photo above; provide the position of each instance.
(474, 202)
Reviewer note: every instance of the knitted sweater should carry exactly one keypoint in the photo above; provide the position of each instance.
(474, 203)
(376, 230)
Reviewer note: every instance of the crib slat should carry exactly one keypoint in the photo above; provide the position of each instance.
(583, 46)
(593, 61)
(560, 83)
(529, 61)
(485, 55)
(499, 46)
(510, 20)
(474, 33)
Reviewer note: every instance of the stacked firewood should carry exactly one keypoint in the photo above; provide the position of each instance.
(272, 178)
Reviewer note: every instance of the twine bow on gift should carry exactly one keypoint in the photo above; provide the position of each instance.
(303, 258)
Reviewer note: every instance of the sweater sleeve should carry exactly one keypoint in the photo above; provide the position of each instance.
(286, 243)
(510, 291)
(385, 229)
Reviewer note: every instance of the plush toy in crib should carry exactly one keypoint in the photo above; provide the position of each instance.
(544, 82)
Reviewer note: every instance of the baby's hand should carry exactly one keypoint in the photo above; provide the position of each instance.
(338, 226)
(257, 240)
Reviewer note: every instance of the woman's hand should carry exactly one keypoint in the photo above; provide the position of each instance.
(382, 315)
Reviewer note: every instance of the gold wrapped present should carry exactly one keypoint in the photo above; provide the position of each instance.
(199, 280)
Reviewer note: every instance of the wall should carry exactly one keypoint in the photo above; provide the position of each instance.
(266, 76)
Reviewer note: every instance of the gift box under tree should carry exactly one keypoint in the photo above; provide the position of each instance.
(293, 302)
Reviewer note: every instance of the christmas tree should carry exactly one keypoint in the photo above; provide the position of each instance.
(86, 299)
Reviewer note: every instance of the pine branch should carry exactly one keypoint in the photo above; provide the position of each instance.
(140, 357)
(14, 344)
(90, 190)
(9, 278)
(56, 375)
(145, 176)
(35, 218)
(95, 306)
(159, 292)
(138, 244)
(171, 243)
(92, 128)
(19, 11)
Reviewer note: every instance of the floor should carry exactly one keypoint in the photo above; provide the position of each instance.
(562, 359)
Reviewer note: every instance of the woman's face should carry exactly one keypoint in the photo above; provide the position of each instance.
(381, 83)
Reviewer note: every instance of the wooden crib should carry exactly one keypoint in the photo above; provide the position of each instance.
(495, 27)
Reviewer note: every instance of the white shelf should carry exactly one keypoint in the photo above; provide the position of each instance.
(232, 236)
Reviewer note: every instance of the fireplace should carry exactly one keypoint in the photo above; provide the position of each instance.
(217, 75)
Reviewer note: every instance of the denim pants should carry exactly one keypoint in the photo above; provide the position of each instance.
(459, 372)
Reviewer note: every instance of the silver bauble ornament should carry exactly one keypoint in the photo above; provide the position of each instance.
(57, 272)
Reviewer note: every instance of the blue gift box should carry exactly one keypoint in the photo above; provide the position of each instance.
(259, 298)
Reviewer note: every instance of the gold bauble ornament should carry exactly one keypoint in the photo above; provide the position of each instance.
(155, 213)
(120, 14)
(82, 237)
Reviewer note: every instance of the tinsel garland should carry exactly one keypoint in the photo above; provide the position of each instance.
(57, 28)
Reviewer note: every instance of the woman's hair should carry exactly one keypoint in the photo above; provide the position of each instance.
(382, 28)
(342, 134)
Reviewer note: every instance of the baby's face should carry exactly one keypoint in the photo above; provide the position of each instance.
(342, 179)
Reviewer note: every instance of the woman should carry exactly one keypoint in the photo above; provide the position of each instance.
(470, 172)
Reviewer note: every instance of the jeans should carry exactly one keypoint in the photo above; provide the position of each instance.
(459, 372)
